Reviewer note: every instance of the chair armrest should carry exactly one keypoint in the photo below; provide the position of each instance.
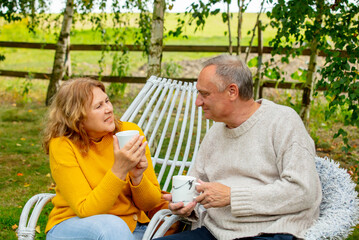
(164, 219)
(167, 223)
(27, 225)
(163, 216)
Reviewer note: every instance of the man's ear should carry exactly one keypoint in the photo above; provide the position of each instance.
(233, 91)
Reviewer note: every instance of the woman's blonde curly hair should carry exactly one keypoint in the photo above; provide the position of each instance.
(68, 111)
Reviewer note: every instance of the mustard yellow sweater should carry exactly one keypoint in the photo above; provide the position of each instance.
(86, 186)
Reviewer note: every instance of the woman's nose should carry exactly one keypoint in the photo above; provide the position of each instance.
(109, 108)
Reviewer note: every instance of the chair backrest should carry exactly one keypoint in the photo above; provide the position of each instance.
(165, 110)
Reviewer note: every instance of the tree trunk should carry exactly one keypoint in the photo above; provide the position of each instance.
(62, 48)
(257, 82)
(239, 29)
(308, 88)
(230, 48)
(254, 33)
(155, 51)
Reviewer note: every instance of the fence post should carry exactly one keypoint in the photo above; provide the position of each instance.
(257, 83)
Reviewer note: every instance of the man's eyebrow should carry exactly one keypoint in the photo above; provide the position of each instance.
(203, 92)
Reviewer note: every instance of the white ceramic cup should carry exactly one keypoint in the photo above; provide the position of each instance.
(125, 136)
(184, 189)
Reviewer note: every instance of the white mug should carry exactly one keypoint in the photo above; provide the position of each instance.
(183, 189)
(125, 136)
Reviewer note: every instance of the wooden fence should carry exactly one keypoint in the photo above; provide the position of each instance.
(167, 48)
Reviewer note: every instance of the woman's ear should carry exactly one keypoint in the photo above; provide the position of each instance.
(233, 91)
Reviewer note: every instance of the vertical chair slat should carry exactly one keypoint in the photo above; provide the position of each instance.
(166, 85)
(143, 101)
(173, 134)
(198, 137)
(138, 98)
(186, 89)
(159, 119)
(190, 131)
(178, 86)
(150, 104)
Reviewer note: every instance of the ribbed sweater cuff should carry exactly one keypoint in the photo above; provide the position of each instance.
(241, 201)
(112, 185)
(145, 190)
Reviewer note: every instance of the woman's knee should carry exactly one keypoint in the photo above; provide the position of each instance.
(104, 226)
(111, 226)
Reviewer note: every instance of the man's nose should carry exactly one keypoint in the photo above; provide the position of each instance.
(199, 101)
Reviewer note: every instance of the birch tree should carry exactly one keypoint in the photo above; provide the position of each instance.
(62, 48)
(241, 9)
(155, 51)
(309, 83)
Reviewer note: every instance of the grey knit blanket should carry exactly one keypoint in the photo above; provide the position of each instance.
(339, 210)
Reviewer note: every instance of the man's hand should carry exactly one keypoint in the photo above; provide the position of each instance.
(213, 194)
(179, 208)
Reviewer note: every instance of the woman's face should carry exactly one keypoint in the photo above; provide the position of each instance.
(100, 119)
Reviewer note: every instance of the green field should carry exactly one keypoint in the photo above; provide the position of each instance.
(87, 62)
(24, 169)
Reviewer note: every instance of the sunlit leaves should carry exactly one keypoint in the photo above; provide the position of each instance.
(253, 62)
(336, 30)
(299, 75)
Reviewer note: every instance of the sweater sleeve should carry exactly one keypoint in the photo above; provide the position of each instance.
(74, 186)
(297, 187)
(295, 190)
(147, 194)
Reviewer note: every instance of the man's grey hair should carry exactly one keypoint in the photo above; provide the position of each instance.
(230, 69)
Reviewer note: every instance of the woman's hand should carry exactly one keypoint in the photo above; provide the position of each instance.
(137, 172)
(130, 158)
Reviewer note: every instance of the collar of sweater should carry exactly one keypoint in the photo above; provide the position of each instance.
(249, 123)
(107, 139)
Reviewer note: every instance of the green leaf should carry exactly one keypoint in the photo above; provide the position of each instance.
(253, 62)
(299, 75)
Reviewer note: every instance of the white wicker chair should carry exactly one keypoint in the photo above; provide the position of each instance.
(165, 110)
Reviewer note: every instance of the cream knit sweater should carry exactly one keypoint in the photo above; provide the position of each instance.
(268, 161)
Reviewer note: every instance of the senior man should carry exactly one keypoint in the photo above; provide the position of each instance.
(255, 165)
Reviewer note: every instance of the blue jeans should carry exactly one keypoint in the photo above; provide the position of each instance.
(97, 227)
(203, 233)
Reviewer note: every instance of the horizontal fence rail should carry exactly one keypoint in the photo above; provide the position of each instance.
(166, 48)
(37, 75)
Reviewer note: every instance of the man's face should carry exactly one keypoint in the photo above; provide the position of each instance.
(213, 102)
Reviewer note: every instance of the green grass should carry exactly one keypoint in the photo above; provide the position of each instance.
(24, 170)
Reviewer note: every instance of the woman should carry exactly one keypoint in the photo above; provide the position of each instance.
(102, 191)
